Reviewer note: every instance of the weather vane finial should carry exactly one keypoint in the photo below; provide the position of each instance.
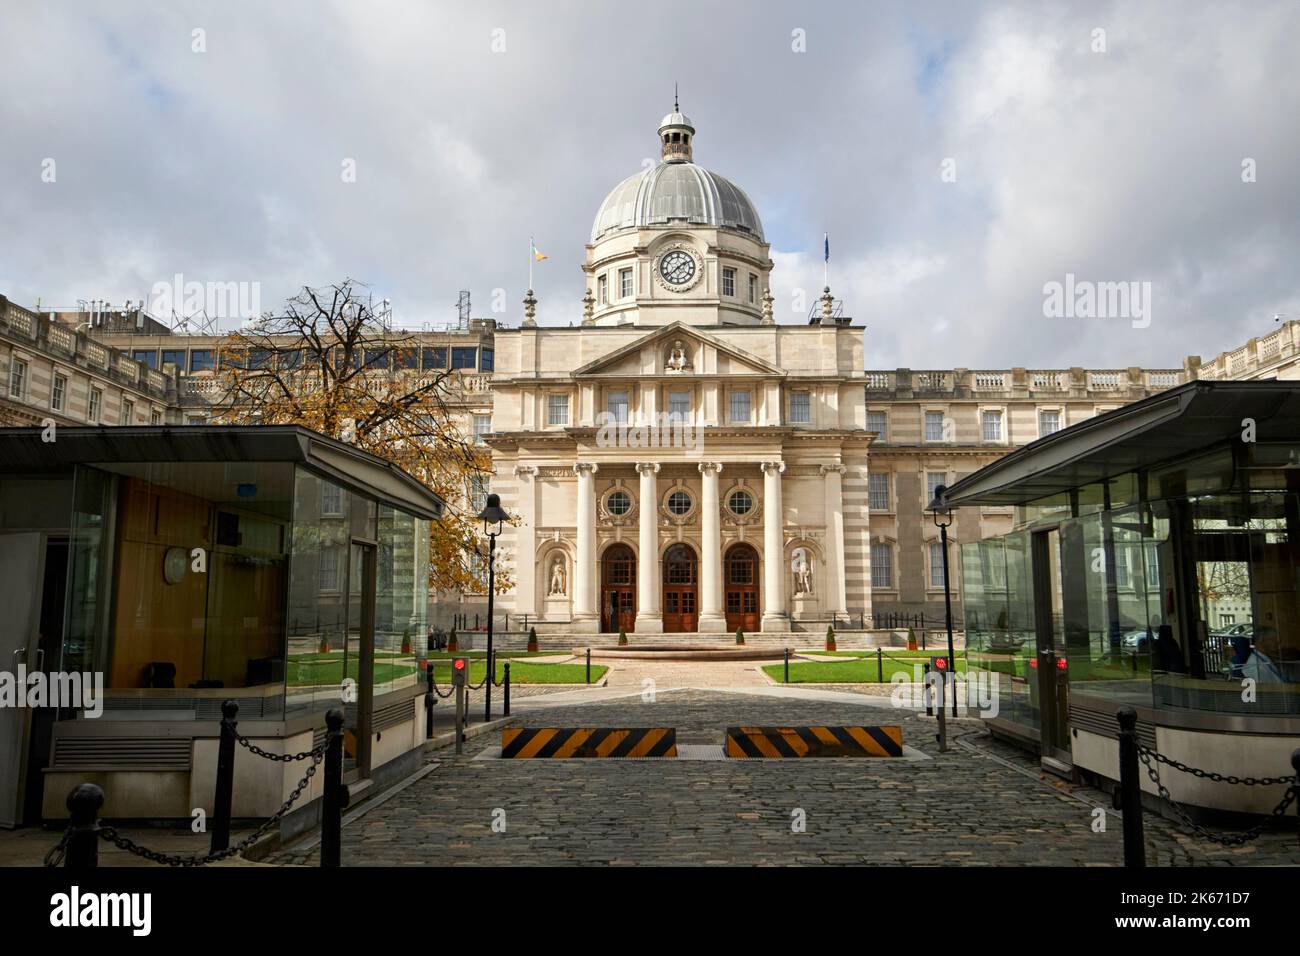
(676, 107)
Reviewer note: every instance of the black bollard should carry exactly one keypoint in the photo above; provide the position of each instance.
(1130, 788)
(787, 665)
(505, 690)
(331, 821)
(925, 679)
(83, 803)
(589, 665)
(428, 707)
(880, 665)
(224, 797)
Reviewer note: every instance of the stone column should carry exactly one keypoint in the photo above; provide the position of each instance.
(835, 591)
(773, 549)
(585, 617)
(649, 619)
(526, 542)
(711, 618)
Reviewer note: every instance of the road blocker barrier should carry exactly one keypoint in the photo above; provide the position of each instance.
(591, 742)
(880, 741)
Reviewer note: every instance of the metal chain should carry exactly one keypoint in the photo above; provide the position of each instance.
(1225, 839)
(433, 682)
(110, 834)
(1217, 777)
(279, 758)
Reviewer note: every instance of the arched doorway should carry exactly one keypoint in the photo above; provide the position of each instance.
(617, 589)
(740, 598)
(681, 612)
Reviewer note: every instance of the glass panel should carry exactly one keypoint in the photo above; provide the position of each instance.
(401, 599)
(199, 562)
(317, 617)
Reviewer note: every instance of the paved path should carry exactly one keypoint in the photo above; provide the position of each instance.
(988, 807)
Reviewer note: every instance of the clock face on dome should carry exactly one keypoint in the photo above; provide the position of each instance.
(677, 267)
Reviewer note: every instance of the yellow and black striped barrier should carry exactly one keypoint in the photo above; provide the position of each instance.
(886, 741)
(567, 742)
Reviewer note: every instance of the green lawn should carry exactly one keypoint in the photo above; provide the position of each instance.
(861, 671)
(448, 655)
(324, 673)
(894, 652)
(522, 673)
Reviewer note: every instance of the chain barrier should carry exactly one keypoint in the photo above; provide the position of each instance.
(109, 834)
(266, 754)
(433, 682)
(1145, 754)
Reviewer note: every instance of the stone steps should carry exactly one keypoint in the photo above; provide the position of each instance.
(566, 641)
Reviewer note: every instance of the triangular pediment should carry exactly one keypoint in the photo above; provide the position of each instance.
(663, 343)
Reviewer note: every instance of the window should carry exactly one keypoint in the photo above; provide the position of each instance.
(991, 420)
(934, 426)
(878, 492)
(882, 566)
(800, 408)
(59, 393)
(464, 358)
(728, 281)
(1049, 421)
(487, 359)
(679, 503)
(433, 357)
(96, 400)
(625, 283)
(878, 422)
(616, 405)
(932, 481)
(18, 379)
(619, 503)
(557, 409)
(147, 357)
(329, 568)
(403, 358)
(128, 411)
(478, 492)
(174, 357)
(201, 360)
(740, 502)
(195, 420)
(602, 290)
(1153, 566)
(482, 426)
(740, 407)
(155, 417)
(331, 499)
(753, 288)
(679, 406)
(1226, 619)
(936, 564)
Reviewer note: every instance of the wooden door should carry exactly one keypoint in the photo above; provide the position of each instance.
(741, 588)
(618, 589)
(681, 612)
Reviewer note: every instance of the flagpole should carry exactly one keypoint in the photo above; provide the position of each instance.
(826, 261)
(530, 263)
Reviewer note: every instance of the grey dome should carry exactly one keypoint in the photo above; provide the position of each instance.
(681, 192)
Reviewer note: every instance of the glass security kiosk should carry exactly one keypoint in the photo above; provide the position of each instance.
(268, 565)
(1154, 562)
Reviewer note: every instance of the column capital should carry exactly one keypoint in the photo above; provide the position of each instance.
(647, 468)
(587, 466)
(836, 468)
(525, 471)
(772, 466)
(710, 466)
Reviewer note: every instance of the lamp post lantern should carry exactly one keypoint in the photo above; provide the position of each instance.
(493, 517)
(942, 514)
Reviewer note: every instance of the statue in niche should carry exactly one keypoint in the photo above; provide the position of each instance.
(803, 581)
(677, 358)
(557, 578)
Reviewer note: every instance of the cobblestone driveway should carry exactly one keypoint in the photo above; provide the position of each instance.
(957, 808)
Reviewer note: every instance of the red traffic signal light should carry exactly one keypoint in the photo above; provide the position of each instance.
(941, 663)
(459, 663)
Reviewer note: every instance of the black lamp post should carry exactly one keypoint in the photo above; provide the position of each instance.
(942, 513)
(493, 516)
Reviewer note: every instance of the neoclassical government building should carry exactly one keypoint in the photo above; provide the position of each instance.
(678, 462)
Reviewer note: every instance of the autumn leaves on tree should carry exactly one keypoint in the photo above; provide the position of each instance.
(329, 363)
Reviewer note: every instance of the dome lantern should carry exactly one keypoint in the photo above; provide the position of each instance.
(675, 133)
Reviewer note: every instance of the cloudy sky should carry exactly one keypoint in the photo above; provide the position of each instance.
(960, 156)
